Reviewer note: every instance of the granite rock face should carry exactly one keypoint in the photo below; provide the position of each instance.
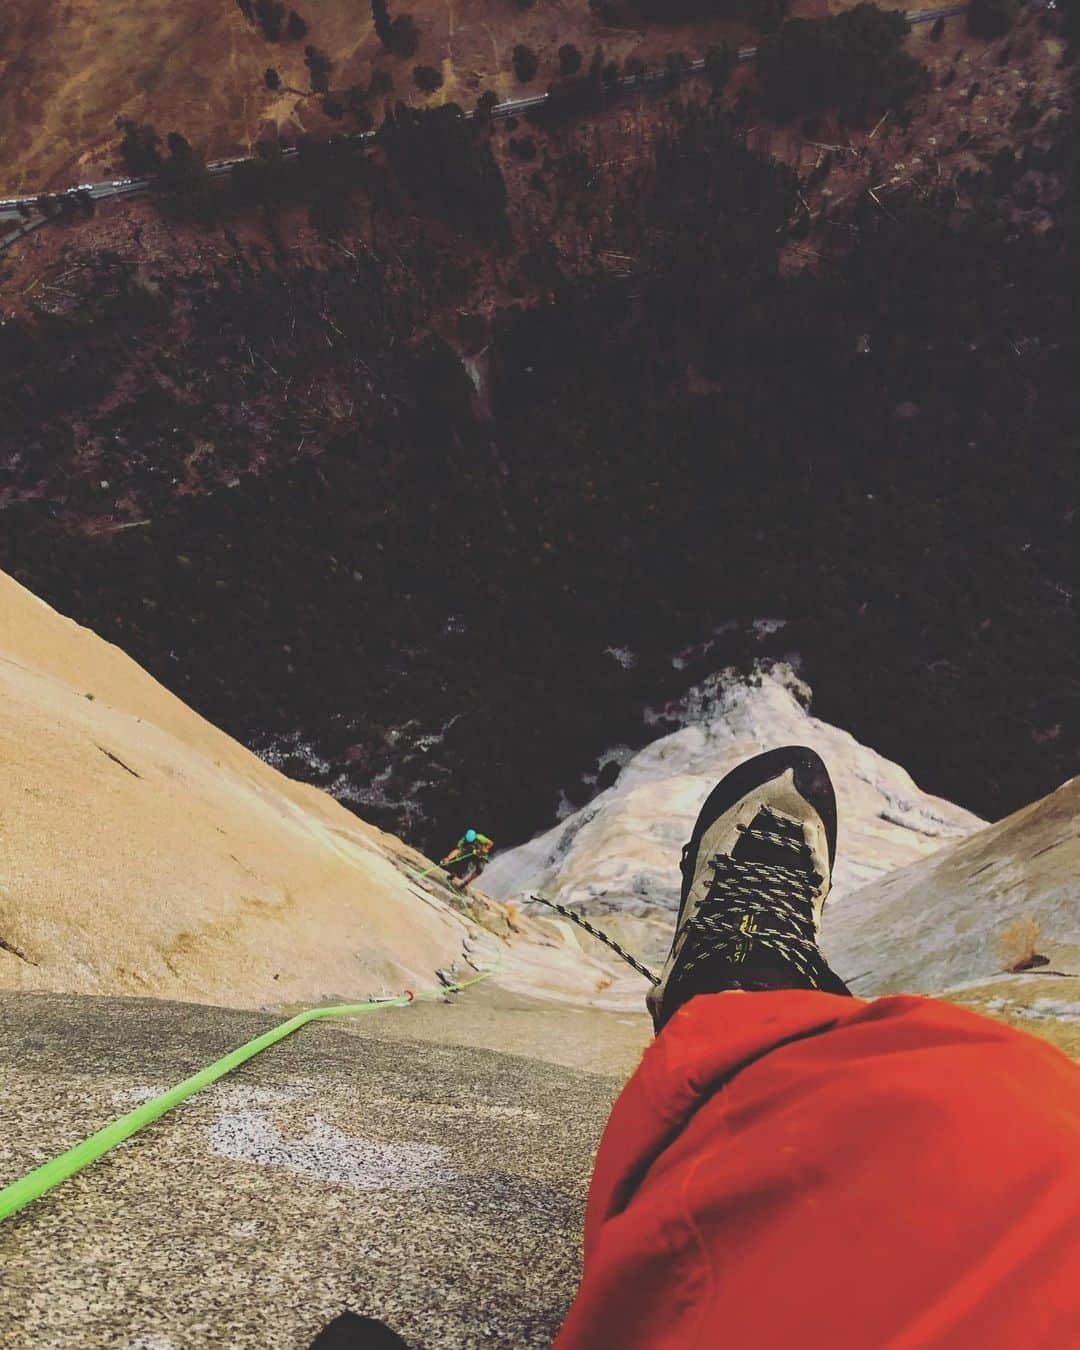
(146, 852)
(927, 899)
(619, 854)
(991, 923)
(1006, 896)
(382, 1164)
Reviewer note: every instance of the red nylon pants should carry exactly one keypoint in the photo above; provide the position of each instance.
(799, 1169)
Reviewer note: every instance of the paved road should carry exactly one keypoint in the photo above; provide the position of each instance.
(131, 187)
(373, 1164)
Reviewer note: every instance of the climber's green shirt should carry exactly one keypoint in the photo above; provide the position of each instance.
(480, 848)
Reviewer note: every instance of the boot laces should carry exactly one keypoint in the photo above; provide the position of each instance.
(754, 901)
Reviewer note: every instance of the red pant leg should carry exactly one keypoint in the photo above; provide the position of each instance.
(801, 1169)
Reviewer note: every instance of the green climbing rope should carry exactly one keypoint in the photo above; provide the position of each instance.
(460, 858)
(34, 1184)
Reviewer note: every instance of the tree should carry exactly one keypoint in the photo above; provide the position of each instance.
(768, 15)
(427, 79)
(245, 9)
(575, 94)
(444, 167)
(296, 27)
(797, 67)
(400, 35)
(523, 148)
(380, 84)
(675, 65)
(569, 59)
(255, 182)
(853, 60)
(319, 65)
(526, 63)
(634, 66)
(270, 15)
(328, 190)
(272, 78)
(488, 99)
(718, 63)
(404, 36)
(268, 147)
(990, 18)
(180, 150)
(874, 69)
(140, 148)
(1005, 169)
(183, 179)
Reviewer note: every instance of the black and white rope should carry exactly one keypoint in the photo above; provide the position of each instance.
(714, 933)
(596, 933)
(742, 893)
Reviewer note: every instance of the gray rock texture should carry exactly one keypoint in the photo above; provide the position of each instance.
(436, 1185)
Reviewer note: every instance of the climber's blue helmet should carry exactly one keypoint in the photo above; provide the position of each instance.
(470, 836)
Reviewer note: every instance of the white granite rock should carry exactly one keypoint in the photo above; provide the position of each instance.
(621, 851)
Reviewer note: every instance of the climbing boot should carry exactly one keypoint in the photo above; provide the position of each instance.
(755, 875)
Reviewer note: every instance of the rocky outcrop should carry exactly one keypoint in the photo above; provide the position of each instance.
(384, 1162)
(619, 854)
(927, 899)
(143, 851)
(993, 921)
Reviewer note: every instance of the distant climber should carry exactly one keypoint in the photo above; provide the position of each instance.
(471, 854)
(806, 1167)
